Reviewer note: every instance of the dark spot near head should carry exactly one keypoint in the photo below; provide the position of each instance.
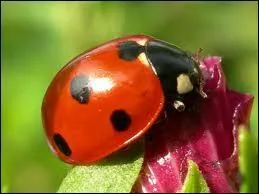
(62, 144)
(120, 120)
(79, 89)
(129, 50)
(168, 61)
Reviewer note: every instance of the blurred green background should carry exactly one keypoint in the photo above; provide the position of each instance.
(38, 38)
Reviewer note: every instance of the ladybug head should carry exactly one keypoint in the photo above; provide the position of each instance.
(178, 72)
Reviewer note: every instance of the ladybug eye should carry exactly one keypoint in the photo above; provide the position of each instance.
(120, 120)
(62, 144)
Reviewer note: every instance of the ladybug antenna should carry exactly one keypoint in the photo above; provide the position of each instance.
(197, 58)
(197, 55)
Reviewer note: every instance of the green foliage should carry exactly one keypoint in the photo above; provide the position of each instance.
(248, 161)
(5, 189)
(38, 38)
(116, 174)
(194, 181)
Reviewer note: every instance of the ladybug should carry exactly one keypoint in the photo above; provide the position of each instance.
(108, 97)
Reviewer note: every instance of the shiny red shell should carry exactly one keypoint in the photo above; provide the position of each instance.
(115, 84)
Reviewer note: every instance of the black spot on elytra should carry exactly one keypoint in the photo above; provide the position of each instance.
(62, 144)
(129, 50)
(120, 120)
(79, 89)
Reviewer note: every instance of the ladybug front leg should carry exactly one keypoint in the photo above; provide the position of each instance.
(178, 103)
(182, 104)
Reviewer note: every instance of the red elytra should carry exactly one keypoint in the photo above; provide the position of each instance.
(99, 103)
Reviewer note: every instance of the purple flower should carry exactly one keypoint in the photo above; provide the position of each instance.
(208, 136)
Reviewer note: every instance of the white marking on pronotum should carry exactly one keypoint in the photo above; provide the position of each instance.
(143, 59)
(142, 42)
(184, 84)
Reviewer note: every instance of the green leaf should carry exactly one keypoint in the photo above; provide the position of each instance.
(248, 161)
(116, 173)
(194, 181)
(5, 189)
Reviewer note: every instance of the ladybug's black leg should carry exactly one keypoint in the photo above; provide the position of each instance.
(162, 118)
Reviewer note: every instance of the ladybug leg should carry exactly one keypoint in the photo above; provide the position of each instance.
(162, 118)
(197, 55)
(178, 104)
(181, 106)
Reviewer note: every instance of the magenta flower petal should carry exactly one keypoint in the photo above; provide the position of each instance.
(207, 136)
